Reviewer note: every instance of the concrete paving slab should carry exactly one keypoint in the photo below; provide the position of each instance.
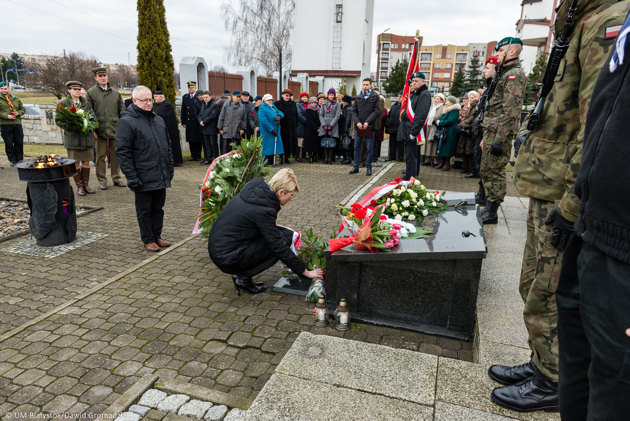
(468, 385)
(498, 353)
(291, 398)
(396, 373)
(449, 412)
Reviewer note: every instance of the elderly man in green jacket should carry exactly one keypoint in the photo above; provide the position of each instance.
(107, 104)
(11, 109)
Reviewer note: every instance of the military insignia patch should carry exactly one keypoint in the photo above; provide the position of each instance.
(612, 31)
(511, 77)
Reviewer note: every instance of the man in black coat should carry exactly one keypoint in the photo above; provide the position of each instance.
(288, 125)
(250, 126)
(366, 110)
(396, 148)
(413, 122)
(208, 118)
(164, 109)
(145, 157)
(245, 239)
(594, 287)
(190, 120)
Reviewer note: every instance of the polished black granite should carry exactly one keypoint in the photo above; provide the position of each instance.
(425, 285)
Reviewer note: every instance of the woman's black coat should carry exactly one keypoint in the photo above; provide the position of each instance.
(311, 138)
(250, 216)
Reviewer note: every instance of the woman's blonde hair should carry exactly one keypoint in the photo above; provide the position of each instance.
(285, 180)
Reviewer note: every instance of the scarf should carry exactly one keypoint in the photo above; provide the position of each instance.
(329, 105)
(316, 107)
(11, 107)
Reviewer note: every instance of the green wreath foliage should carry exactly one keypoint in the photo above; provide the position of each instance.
(227, 178)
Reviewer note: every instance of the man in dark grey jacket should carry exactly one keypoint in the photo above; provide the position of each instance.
(367, 109)
(231, 123)
(413, 121)
(145, 157)
(208, 118)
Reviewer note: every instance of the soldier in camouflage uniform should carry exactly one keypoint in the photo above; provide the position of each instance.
(545, 171)
(500, 125)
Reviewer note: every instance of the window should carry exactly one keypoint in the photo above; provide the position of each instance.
(449, 65)
(383, 75)
(384, 54)
(425, 56)
(461, 57)
(446, 75)
(449, 55)
(434, 84)
(339, 13)
(438, 55)
(385, 46)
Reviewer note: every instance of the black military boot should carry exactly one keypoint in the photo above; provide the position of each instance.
(534, 394)
(507, 375)
(489, 216)
(480, 197)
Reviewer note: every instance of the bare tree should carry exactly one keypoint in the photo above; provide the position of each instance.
(261, 33)
(56, 71)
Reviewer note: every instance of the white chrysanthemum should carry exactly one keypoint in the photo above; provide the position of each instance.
(394, 207)
(434, 204)
(80, 111)
(218, 189)
(416, 182)
(211, 175)
(425, 212)
(413, 194)
(398, 218)
(405, 214)
(404, 233)
(207, 184)
(405, 203)
(422, 187)
(403, 188)
(420, 202)
(412, 217)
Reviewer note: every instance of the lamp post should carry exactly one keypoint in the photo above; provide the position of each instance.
(378, 61)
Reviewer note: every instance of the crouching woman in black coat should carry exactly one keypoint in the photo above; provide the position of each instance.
(245, 240)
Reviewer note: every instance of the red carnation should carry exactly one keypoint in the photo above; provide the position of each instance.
(437, 192)
(359, 213)
(355, 207)
(73, 109)
(373, 202)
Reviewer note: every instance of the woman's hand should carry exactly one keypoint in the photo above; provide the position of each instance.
(317, 273)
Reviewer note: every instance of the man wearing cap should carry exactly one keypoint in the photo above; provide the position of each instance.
(365, 111)
(107, 104)
(79, 145)
(413, 122)
(231, 123)
(190, 120)
(164, 109)
(546, 169)
(250, 127)
(11, 109)
(500, 124)
(288, 125)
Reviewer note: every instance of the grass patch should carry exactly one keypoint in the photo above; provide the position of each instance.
(40, 98)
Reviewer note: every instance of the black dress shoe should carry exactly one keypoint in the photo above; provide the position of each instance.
(505, 374)
(257, 283)
(354, 171)
(247, 283)
(534, 394)
(368, 172)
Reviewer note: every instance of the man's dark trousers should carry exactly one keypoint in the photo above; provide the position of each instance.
(13, 137)
(411, 169)
(150, 214)
(369, 144)
(594, 373)
(210, 146)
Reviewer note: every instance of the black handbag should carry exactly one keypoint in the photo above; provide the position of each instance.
(328, 142)
(346, 143)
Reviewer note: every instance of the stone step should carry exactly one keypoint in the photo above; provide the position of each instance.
(324, 377)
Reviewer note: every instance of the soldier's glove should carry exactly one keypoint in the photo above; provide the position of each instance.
(134, 184)
(520, 139)
(496, 148)
(562, 229)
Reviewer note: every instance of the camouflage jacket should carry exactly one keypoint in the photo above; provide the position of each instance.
(549, 160)
(503, 115)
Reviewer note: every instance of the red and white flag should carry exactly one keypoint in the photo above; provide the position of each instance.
(414, 66)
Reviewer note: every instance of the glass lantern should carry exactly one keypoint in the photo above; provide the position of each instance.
(342, 314)
(321, 312)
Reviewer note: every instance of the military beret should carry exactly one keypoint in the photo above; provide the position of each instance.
(158, 92)
(418, 74)
(72, 83)
(507, 41)
(245, 93)
(191, 83)
(98, 70)
(3, 84)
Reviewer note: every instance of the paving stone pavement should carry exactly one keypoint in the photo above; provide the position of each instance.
(177, 316)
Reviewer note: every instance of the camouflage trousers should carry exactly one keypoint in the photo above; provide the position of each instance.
(539, 280)
(493, 171)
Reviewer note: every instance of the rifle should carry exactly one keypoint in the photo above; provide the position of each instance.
(484, 101)
(558, 51)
